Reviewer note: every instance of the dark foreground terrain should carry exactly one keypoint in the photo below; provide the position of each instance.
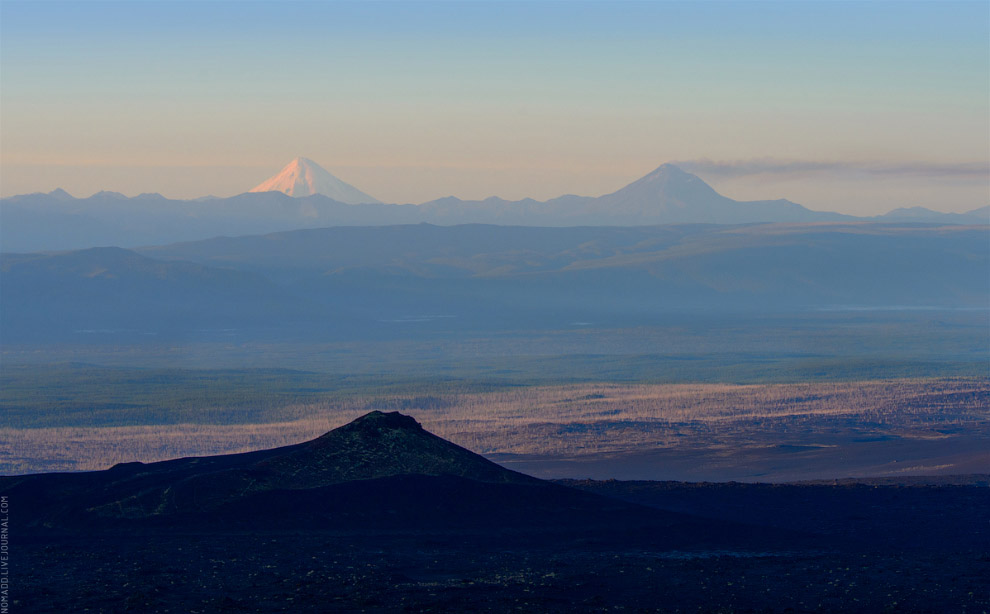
(421, 572)
(381, 516)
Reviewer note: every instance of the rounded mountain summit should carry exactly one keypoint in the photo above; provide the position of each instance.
(303, 177)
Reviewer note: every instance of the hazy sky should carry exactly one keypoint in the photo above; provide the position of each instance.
(856, 107)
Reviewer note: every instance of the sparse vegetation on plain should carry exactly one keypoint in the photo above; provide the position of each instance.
(558, 421)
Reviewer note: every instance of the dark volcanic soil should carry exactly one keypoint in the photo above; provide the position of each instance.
(422, 573)
(381, 516)
(860, 548)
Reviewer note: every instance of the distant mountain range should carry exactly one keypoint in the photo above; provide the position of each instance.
(358, 282)
(668, 195)
(923, 215)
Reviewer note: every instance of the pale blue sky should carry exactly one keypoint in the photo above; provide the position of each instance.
(412, 101)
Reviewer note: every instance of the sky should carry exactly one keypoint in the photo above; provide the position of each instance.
(857, 107)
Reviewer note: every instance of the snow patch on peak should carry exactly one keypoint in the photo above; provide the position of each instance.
(303, 177)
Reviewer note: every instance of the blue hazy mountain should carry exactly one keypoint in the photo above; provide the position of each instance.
(352, 279)
(668, 195)
(923, 215)
(92, 291)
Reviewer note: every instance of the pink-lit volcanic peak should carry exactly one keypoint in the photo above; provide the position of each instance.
(857, 107)
(303, 177)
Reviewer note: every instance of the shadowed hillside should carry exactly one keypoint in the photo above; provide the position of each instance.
(379, 515)
(380, 471)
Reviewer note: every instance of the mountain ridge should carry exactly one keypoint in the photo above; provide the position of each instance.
(349, 280)
(667, 195)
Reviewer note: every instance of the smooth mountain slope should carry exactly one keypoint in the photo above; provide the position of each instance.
(670, 195)
(303, 177)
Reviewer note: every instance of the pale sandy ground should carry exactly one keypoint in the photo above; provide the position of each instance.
(694, 432)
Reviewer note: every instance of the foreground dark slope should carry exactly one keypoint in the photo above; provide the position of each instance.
(933, 513)
(382, 471)
(380, 516)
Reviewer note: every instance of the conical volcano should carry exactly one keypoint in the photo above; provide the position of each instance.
(382, 470)
(303, 177)
(671, 185)
(670, 195)
(379, 445)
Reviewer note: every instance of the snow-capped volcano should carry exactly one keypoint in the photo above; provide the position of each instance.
(303, 177)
